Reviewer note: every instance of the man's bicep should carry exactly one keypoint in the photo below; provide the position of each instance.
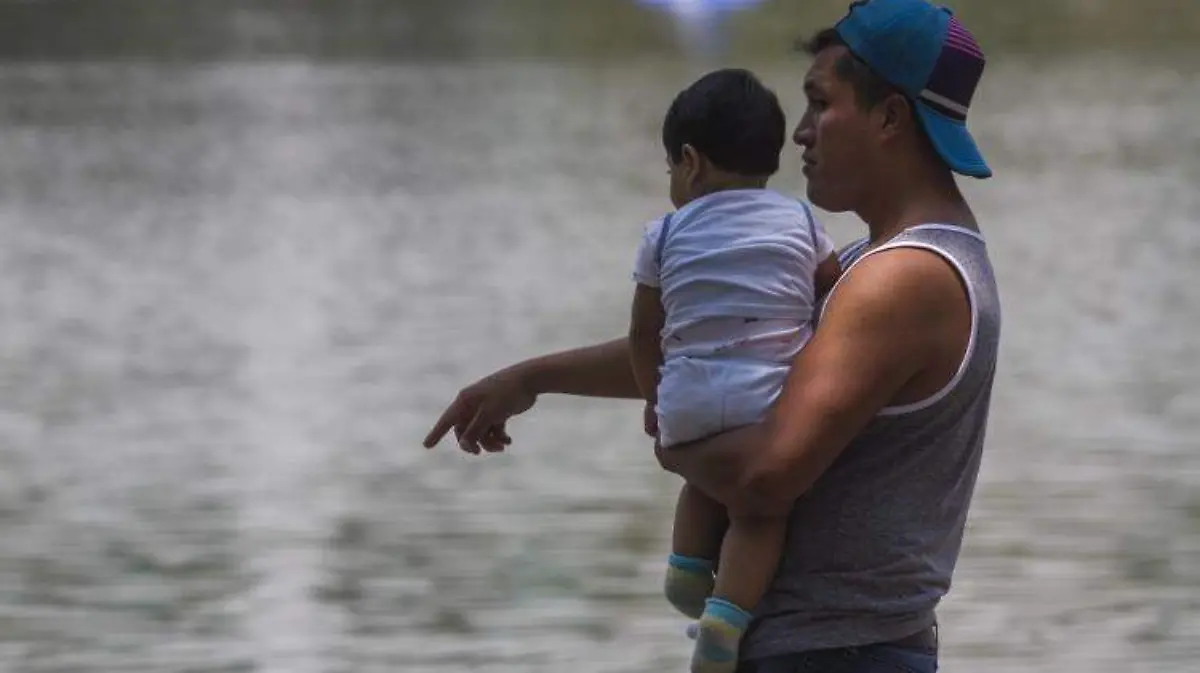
(870, 342)
(862, 353)
(879, 329)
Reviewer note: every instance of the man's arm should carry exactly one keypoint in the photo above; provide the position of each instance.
(600, 370)
(892, 316)
(479, 412)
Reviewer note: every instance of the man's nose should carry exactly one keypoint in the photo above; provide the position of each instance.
(802, 135)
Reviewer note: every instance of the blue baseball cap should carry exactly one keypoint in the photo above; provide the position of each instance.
(924, 51)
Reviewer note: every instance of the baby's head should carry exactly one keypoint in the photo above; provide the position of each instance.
(725, 131)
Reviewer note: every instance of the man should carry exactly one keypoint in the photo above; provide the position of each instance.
(874, 445)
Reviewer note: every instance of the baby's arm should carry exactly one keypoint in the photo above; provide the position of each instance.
(828, 273)
(646, 323)
(829, 269)
(645, 341)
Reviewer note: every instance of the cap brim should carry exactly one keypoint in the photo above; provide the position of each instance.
(953, 142)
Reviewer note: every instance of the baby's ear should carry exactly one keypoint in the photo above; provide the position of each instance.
(690, 157)
(693, 163)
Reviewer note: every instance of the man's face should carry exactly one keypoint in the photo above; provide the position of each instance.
(836, 136)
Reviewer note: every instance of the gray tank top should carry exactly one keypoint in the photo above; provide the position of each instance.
(872, 546)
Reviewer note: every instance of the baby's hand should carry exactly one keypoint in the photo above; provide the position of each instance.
(650, 420)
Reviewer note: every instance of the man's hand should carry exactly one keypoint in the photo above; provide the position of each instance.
(479, 412)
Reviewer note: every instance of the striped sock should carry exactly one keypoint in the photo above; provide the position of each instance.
(688, 583)
(718, 635)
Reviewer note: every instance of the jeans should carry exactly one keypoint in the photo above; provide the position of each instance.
(867, 659)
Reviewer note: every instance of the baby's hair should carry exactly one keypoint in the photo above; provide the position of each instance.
(731, 118)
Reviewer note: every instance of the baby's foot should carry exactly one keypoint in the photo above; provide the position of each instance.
(718, 635)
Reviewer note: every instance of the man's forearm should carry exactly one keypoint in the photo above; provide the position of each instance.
(601, 370)
(719, 466)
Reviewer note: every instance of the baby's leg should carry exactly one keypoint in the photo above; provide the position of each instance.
(750, 554)
(749, 558)
(696, 540)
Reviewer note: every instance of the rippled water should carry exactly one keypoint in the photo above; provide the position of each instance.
(234, 296)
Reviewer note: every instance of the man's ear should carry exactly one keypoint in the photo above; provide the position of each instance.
(896, 114)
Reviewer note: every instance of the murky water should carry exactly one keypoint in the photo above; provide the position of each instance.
(234, 295)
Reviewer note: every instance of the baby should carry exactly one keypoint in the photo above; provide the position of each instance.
(726, 288)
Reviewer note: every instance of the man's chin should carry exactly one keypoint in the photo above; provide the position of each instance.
(821, 200)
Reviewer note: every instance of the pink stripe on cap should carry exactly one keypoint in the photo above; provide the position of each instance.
(966, 47)
(959, 37)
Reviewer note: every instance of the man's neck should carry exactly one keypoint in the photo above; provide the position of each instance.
(926, 198)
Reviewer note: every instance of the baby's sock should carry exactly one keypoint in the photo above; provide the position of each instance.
(688, 584)
(718, 634)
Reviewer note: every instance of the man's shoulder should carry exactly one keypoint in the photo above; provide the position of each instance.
(905, 280)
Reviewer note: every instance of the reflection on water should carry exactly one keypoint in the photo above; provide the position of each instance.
(235, 295)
